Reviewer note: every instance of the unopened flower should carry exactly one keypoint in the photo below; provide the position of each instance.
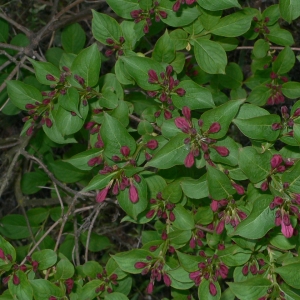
(220, 227)
(214, 127)
(16, 280)
(140, 265)
(167, 114)
(163, 14)
(212, 289)
(176, 5)
(152, 144)
(186, 112)
(167, 279)
(133, 194)
(35, 265)
(153, 78)
(79, 79)
(214, 205)
(239, 189)
(125, 151)
(189, 160)
(223, 151)
(245, 270)
(276, 126)
(101, 196)
(182, 124)
(50, 77)
(180, 92)
(264, 186)
(150, 287)
(276, 160)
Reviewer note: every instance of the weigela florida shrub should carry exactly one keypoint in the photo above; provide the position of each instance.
(203, 160)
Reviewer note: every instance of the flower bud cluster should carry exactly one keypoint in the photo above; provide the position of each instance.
(115, 46)
(109, 281)
(168, 86)
(210, 269)
(146, 15)
(276, 94)
(93, 128)
(288, 120)
(161, 208)
(261, 26)
(196, 239)
(227, 213)
(253, 267)
(199, 141)
(178, 3)
(157, 272)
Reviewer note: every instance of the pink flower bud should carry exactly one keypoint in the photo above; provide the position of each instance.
(93, 161)
(239, 189)
(29, 106)
(152, 144)
(182, 124)
(109, 52)
(153, 78)
(163, 14)
(115, 189)
(167, 280)
(176, 5)
(48, 122)
(214, 127)
(212, 289)
(35, 265)
(150, 287)
(164, 235)
(189, 160)
(152, 93)
(16, 280)
(50, 77)
(140, 265)
(167, 115)
(253, 269)
(287, 230)
(214, 205)
(169, 70)
(79, 79)
(146, 29)
(172, 216)
(220, 227)
(264, 186)
(133, 194)
(135, 13)
(150, 214)
(276, 160)
(223, 151)
(110, 41)
(125, 151)
(276, 126)
(278, 200)
(296, 113)
(101, 196)
(180, 92)
(245, 270)
(148, 156)
(29, 131)
(186, 112)
(273, 75)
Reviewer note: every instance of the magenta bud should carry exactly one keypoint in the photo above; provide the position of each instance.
(167, 114)
(186, 112)
(214, 127)
(109, 52)
(16, 280)
(110, 41)
(276, 160)
(245, 270)
(29, 106)
(164, 235)
(182, 123)
(169, 70)
(239, 189)
(50, 77)
(152, 94)
(150, 214)
(101, 196)
(180, 92)
(264, 186)
(220, 227)
(153, 78)
(273, 75)
(29, 131)
(163, 14)
(278, 200)
(125, 151)
(189, 160)
(48, 122)
(296, 113)
(137, 178)
(167, 280)
(133, 194)
(212, 289)
(223, 151)
(276, 126)
(35, 265)
(152, 144)
(150, 287)
(253, 269)
(140, 265)
(172, 216)
(176, 5)
(79, 79)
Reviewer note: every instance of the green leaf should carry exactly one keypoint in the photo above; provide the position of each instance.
(105, 27)
(281, 242)
(171, 154)
(252, 288)
(290, 294)
(99, 181)
(46, 258)
(80, 160)
(70, 101)
(284, 61)
(114, 136)
(7, 249)
(233, 78)
(89, 290)
(126, 260)
(204, 293)
(73, 38)
(43, 289)
(195, 188)
(255, 165)
(289, 9)
(196, 96)
(123, 7)
(21, 94)
(172, 192)
(184, 16)
(23, 290)
(64, 269)
(292, 176)
(4, 31)
(272, 12)
(137, 67)
(291, 89)
(180, 38)
(53, 55)
(259, 128)
(97, 242)
(189, 262)
(219, 185)
(233, 25)
(42, 69)
(164, 49)
(133, 209)
(108, 100)
(92, 268)
(183, 219)
(15, 227)
(210, 56)
(31, 181)
(259, 95)
(115, 296)
(261, 48)
(234, 256)
(222, 114)
(219, 5)
(280, 37)
(260, 220)
(87, 65)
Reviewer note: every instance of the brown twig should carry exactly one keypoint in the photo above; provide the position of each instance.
(137, 119)
(25, 30)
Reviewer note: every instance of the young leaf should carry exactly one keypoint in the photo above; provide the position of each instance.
(164, 49)
(219, 185)
(73, 38)
(284, 61)
(219, 5)
(210, 56)
(289, 9)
